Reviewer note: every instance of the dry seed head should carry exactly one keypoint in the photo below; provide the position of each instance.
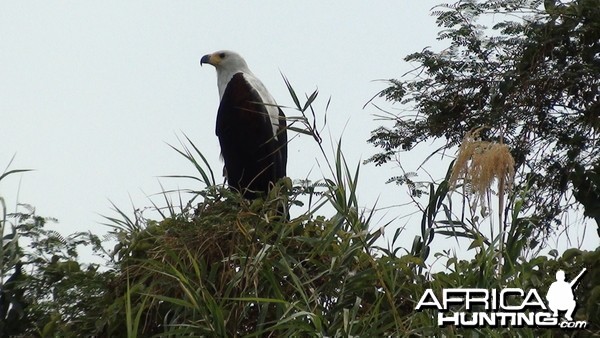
(479, 163)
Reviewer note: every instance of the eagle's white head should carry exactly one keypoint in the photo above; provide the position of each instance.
(227, 63)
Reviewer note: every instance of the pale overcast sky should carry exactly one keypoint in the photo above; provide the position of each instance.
(91, 92)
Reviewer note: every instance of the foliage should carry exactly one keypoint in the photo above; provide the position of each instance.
(531, 80)
(226, 266)
(12, 304)
(533, 274)
(232, 268)
(44, 288)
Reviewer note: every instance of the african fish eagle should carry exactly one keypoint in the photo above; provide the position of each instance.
(250, 126)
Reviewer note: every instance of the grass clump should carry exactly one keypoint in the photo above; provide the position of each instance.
(210, 271)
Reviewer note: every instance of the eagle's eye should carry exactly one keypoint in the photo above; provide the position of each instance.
(222, 55)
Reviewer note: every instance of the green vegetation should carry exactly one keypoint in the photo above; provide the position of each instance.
(216, 265)
(229, 267)
(527, 71)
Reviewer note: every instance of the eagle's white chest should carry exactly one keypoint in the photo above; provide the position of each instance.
(223, 79)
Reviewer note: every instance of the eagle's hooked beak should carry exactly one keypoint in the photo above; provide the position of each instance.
(205, 59)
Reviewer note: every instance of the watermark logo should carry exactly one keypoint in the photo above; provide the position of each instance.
(509, 307)
(560, 295)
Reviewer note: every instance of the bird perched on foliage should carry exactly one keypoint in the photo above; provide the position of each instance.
(250, 126)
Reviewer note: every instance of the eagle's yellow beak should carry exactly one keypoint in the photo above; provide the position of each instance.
(211, 59)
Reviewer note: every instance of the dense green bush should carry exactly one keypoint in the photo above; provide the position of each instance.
(224, 266)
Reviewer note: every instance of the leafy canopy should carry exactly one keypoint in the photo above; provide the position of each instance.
(527, 71)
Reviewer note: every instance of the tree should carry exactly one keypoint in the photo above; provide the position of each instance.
(532, 80)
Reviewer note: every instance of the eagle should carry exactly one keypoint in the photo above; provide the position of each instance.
(250, 126)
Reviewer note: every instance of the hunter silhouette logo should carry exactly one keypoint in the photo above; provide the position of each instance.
(560, 295)
(507, 307)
